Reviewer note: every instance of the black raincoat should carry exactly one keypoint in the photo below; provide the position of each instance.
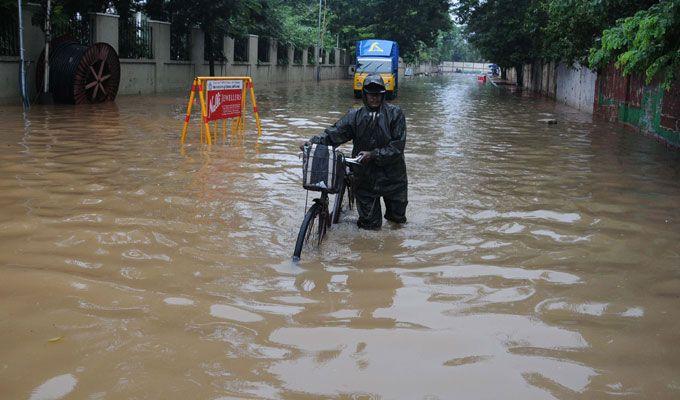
(383, 133)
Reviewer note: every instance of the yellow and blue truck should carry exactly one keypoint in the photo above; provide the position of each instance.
(376, 56)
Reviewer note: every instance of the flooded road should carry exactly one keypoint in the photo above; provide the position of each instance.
(539, 261)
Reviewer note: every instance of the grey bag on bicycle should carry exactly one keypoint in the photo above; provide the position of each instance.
(322, 168)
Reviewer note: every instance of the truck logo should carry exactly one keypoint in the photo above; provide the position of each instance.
(375, 47)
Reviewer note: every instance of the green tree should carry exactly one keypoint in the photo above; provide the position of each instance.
(449, 46)
(575, 26)
(63, 11)
(216, 18)
(157, 9)
(452, 46)
(353, 20)
(296, 26)
(504, 32)
(292, 21)
(414, 25)
(410, 23)
(646, 43)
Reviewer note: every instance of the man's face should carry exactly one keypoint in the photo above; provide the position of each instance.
(373, 99)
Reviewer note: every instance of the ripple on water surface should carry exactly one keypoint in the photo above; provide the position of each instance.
(536, 257)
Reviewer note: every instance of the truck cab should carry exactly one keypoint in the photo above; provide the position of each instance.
(381, 57)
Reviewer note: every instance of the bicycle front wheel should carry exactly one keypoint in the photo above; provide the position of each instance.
(311, 231)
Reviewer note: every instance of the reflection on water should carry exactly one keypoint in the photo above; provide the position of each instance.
(539, 261)
(55, 388)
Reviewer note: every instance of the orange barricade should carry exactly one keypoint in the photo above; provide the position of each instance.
(222, 98)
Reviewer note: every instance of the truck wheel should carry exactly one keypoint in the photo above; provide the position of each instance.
(357, 94)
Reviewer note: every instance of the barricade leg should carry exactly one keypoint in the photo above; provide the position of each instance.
(234, 128)
(204, 113)
(189, 106)
(215, 131)
(255, 110)
(243, 106)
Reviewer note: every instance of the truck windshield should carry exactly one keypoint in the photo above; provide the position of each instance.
(373, 65)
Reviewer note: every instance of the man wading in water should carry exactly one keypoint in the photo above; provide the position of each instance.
(378, 133)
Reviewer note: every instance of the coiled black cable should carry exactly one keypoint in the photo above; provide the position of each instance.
(64, 62)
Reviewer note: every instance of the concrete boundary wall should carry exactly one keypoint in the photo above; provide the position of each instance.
(540, 78)
(645, 107)
(465, 66)
(162, 74)
(572, 85)
(576, 86)
(610, 95)
(448, 67)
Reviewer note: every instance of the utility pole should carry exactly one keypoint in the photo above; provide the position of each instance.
(48, 38)
(317, 52)
(45, 96)
(24, 96)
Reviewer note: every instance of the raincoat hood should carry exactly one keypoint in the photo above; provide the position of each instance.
(373, 84)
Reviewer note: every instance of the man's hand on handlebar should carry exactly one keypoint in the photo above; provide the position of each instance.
(365, 156)
(303, 145)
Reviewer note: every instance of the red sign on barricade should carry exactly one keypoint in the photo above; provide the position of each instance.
(224, 99)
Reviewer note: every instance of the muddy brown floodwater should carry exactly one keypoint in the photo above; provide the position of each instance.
(539, 261)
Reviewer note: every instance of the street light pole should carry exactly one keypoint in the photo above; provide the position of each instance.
(317, 52)
(22, 58)
(45, 96)
(48, 38)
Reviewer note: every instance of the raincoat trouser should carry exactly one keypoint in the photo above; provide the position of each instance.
(383, 133)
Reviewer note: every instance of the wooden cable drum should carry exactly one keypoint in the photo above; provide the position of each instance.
(81, 74)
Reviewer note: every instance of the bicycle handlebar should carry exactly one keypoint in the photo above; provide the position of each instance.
(355, 160)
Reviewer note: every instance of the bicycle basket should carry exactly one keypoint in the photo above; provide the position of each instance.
(322, 168)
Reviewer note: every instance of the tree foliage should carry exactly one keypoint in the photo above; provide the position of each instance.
(575, 26)
(646, 43)
(450, 45)
(423, 28)
(639, 35)
(505, 32)
(409, 23)
(296, 22)
(414, 25)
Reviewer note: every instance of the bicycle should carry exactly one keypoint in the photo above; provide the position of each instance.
(318, 217)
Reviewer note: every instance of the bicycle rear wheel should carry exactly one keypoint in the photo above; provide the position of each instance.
(350, 193)
(337, 205)
(312, 230)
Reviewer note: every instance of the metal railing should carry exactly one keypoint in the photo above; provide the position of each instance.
(76, 28)
(217, 48)
(9, 36)
(180, 46)
(310, 56)
(282, 54)
(263, 44)
(241, 49)
(135, 38)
